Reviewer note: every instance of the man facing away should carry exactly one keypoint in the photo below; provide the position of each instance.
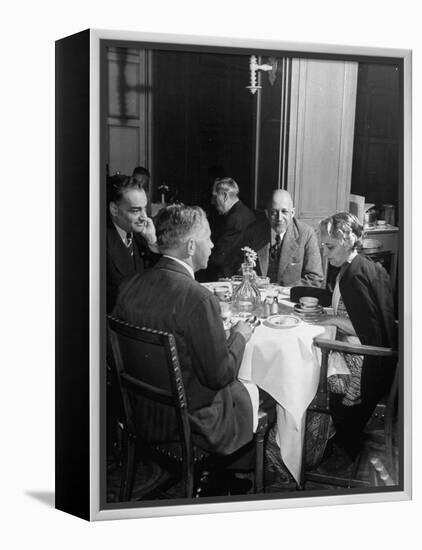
(167, 298)
(131, 234)
(288, 251)
(229, 234)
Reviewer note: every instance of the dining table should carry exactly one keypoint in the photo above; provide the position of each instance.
(284, 362)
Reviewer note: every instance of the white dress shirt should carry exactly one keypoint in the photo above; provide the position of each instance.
(273, 234)
(123, 234)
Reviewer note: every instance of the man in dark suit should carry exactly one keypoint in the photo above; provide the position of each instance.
(287, 249)
(167, 297)
(131, 239)
(234, 218)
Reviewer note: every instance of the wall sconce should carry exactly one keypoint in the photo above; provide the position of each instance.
(254, 67)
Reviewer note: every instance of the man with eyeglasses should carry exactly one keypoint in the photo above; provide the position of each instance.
(288, 251)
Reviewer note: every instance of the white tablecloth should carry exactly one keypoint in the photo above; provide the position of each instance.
(285, 364)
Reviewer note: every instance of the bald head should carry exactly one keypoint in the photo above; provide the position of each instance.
(280, 210)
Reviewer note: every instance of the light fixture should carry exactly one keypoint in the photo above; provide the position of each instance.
(254, 67)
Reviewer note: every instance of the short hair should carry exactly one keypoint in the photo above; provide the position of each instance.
(141, 171)
(226, 184)
(177, 223)
(339, 226)
(118, 184)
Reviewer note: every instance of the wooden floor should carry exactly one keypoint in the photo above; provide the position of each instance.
(277, 477)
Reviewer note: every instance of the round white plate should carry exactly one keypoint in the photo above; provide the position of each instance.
(281, 321)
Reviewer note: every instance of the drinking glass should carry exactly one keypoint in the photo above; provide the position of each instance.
(236, 281)
(262, 282)
(226, 313)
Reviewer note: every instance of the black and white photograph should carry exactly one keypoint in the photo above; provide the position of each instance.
(253, 211)
(211, 298)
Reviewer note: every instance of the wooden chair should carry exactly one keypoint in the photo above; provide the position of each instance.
(378, 473)
(385, 409)
(154, 415)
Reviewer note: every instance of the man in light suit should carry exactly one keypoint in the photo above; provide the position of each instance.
(287, 249)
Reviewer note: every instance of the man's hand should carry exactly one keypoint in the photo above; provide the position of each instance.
(243, 328)
(148, 232)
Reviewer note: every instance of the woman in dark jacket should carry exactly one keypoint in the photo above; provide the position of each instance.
(364, 309)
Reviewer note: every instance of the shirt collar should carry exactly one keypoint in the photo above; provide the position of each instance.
(346, 264)
(122, 233)
(273, 234)
(181, 262)
(352, 256)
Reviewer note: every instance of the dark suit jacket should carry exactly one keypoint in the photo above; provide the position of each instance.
(300, 258)
(167, 298)
(226, 255)
(120, 264)
(366, 292)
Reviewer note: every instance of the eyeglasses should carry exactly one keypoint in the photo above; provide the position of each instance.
(283, 211)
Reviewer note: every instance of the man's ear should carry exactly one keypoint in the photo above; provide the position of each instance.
(113, 209)
(190, 247)
(351, 239)
(293, 212)
(225, 196)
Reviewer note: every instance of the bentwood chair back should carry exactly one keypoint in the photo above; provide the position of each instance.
(148, 374)
(320, 405)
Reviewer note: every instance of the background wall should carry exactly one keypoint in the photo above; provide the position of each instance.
(26, 399)
(187, 116)
(375, 163)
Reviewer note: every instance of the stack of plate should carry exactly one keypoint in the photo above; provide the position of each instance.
(309, 313)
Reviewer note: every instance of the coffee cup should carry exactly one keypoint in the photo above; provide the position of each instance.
(308, 301)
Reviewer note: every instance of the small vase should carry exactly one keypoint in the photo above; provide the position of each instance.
(247, 298)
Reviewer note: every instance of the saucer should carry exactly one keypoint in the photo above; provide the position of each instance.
(308, 310)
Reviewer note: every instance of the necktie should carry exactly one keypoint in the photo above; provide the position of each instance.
(274, 258)
(129, 243)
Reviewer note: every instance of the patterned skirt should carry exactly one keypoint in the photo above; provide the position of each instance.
(346, 384)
